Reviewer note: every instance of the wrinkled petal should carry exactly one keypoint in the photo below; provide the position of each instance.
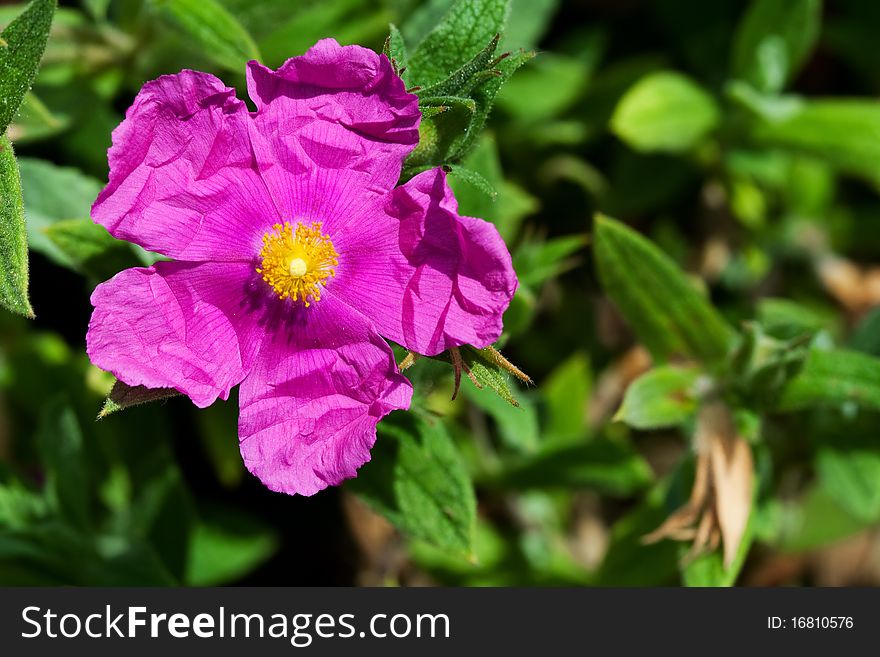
(177, 325)
(182, 177)
(309, 408)
(428, 278)
(331, 131)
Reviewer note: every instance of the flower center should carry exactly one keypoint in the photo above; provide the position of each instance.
(297, 261)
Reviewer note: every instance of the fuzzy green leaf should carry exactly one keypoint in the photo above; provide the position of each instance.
(484, 95)
(474, 179)
(465, 30)
(395, 50)
(417, 480)
(13, 240)
(218, 33)
(664, 111)
(490, 370)
(666, 311)
(442, 132)
(21, 48)
(460, 81)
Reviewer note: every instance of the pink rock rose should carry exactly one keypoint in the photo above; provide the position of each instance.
(293, 256)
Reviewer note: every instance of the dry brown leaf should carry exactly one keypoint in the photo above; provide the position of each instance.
(721, 498)
(732, 475)
(856, 288)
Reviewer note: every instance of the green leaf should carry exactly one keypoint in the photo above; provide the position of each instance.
(665, 310)
(840, 131)
(462, 80)
(628, 561)
(517, 425)
(608, 467)
(835, 378)
(762, 366)
(61, 448)
(34, 121)
(665, 111)
(527, 23)
(484, 95)
(13, 239)
(124, 396)
(787, 319)
(21, 48)
(20, 506)
(395, 49)
(219, 35)
(442, 132)
(292, 26)
(551, 84)
(90, 248)
(474, 179)
(226, 548)
(774, 38)
(52, 553)
(536, 262)
(866, 335)
(850, 477)
(813, 521)
(663, 397)
(417, 480)
(490, 369)
(51, 194)
(464, 31)
(567, 393)
(708, 569)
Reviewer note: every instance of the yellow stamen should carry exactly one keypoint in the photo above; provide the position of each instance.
(297, 261)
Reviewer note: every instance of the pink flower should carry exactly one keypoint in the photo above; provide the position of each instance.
(293, 256)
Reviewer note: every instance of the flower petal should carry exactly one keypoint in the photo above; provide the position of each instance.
(182, 177)
(331, 131)
(177, 325)
(428, 278)
(309, 408)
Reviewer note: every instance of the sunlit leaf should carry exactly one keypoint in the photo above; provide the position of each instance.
(665, 396)
(665, 111)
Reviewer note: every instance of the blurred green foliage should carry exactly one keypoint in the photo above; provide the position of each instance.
(736, 146)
